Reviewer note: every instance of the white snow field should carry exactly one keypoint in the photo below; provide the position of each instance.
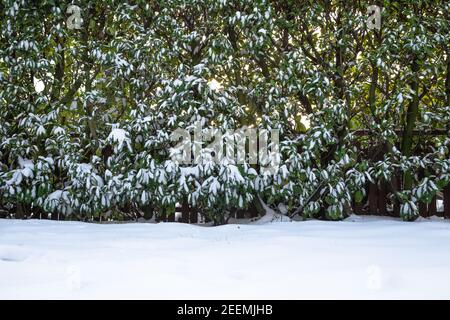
(360, 258)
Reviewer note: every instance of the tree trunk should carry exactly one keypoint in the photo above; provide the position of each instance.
(411, 117)
(20, 211)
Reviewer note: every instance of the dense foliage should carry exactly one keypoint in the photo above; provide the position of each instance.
(86, 114)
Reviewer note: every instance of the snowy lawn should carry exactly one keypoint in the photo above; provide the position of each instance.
(362, 257)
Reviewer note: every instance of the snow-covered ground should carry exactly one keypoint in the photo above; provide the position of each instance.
(362, 257)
